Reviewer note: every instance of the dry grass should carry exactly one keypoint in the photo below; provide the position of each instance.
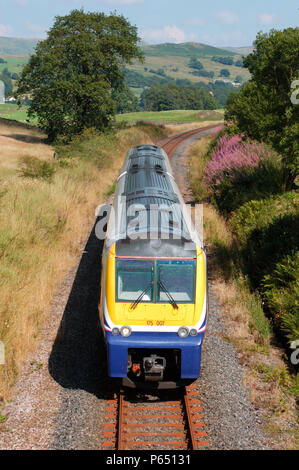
(17, 141)
(42, 228)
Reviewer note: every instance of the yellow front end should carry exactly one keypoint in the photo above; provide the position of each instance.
(155, 314)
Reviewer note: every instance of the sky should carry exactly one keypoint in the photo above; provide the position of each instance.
(218, 23)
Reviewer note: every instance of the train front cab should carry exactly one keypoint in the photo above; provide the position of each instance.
(155, 341)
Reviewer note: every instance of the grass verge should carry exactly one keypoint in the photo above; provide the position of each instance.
(47, 209)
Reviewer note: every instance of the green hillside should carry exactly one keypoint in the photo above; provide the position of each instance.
(187, 49)
(168, 62)
(240, 50)
(17, 46)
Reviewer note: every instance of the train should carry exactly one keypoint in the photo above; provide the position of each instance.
(154, 291)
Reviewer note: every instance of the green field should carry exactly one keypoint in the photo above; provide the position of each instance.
(137, 91)
(172, 116)
(14, 64)
(12, 111)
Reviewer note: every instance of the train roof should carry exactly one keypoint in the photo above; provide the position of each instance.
(146, 184)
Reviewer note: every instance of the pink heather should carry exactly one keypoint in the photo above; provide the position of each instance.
(231, 155)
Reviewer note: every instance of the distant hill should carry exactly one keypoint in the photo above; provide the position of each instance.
(17, 46)
(163, 63)
(186, 49)
(240, 50)
(171, 62)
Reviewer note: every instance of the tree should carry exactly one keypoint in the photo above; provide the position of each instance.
(126, 101)
(264, 109)
(223, 60)
(239, 63)
(195, 64)
(171, 97)
(224, 73)
(73, 73)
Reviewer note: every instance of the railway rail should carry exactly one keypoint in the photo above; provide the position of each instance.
(157, 420)
(170, 420)
(176, 140)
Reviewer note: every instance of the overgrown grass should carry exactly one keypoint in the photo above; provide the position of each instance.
(32, 167)
(45, 216)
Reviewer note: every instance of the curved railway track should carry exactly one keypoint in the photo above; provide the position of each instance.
(176, 140)
(163, 420)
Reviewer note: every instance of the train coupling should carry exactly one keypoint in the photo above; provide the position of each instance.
(154, 367)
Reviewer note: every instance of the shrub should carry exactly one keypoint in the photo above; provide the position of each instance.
(32, 167)
(281, 291)
(265, 247)
(256, 215)
(241, 170)
(267, 232)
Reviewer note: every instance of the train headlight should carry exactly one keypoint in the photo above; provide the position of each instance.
(115, 331)
(125, 331)
(183, 332)
(193, 332)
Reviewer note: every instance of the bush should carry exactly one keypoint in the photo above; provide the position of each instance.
(225, 73)
(241, 170)
(266, 246)
(281, 291)
(256, 215)
(267, 232)
(32, 167)
(170, 97)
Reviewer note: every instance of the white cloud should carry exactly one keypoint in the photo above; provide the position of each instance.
(195, 22)
(168, 33)
(233, 38)
(124, 2)
(227, 17)
(266, 18)
(36, 28)
(5, 30)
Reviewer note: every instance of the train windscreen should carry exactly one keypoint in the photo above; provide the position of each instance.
(155, 281)
(176, 278)
(134, 278)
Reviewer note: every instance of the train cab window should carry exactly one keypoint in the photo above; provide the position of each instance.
(134, 278)
(176, 278)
